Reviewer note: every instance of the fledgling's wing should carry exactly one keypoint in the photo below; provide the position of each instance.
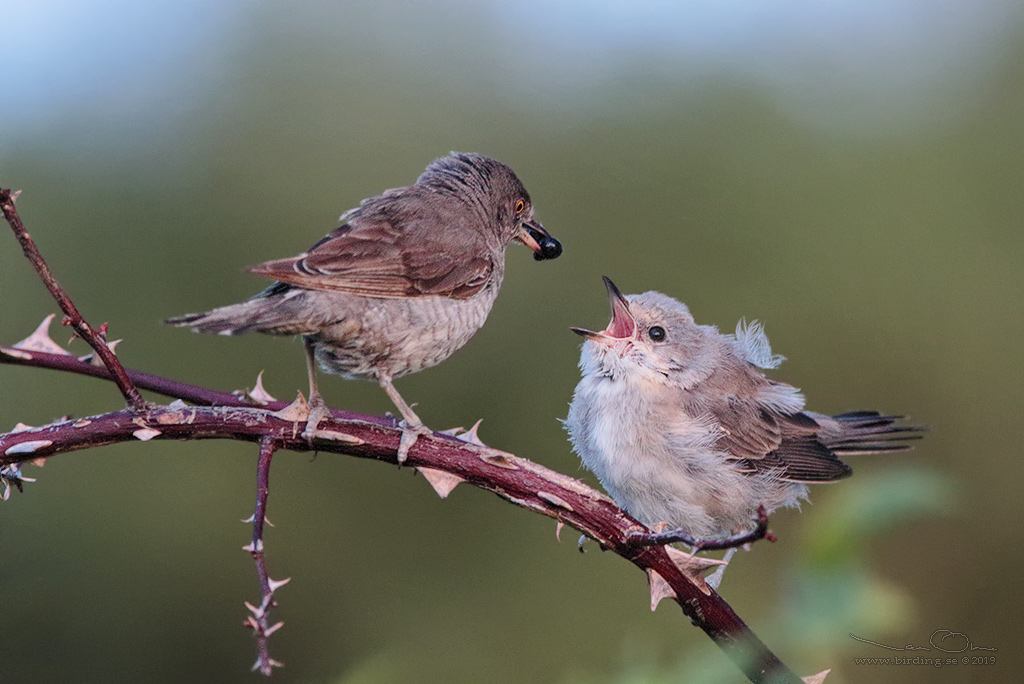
(761, 440)
(393, 250)
(763, 433)
(761, 425)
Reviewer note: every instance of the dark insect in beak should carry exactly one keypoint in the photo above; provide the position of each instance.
(534, 236)
(550, 248)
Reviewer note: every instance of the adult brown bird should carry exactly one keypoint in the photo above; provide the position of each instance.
(402, 283)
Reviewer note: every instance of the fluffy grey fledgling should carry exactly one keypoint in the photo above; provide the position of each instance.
(405, 281)
(681, 425)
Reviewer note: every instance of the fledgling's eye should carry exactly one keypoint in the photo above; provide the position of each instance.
(520, 205)
(656, 333)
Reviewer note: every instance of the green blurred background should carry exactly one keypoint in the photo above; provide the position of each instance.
(848, 172)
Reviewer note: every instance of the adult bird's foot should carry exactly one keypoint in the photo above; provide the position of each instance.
(318, 413)
(410, 433)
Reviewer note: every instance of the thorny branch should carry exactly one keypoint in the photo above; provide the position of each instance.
(94, 338)
(444, 460)
(259, 621)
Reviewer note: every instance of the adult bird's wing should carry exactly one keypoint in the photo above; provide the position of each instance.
(381, 255)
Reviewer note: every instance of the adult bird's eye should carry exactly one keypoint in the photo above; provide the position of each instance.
(520, 205)
(656, 333)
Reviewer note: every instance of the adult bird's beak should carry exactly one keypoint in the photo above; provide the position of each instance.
(623, 325)
(534, 236)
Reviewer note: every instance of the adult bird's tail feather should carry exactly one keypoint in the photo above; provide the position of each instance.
(227, 320)
(270, 311)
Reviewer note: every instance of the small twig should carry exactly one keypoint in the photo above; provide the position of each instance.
(73, 317)
(672, 536)
(259, 516)
(259, 620)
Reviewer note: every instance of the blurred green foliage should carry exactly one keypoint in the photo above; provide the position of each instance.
(875, 231)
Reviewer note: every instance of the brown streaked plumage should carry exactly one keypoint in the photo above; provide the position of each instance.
(405, 281)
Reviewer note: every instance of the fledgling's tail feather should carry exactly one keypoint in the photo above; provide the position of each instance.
(869, 432)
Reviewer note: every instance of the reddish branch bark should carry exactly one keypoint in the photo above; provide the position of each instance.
(71, 316)
(444, 460)
(259, 620)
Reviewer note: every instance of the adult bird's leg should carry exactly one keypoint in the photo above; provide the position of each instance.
(413, 427)
(317, 408)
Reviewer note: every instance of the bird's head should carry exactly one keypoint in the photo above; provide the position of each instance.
(499, 195)
(651, 337)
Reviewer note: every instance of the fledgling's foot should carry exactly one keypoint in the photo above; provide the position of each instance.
(410, 433)
(317, 414)
(660, 536)
(714, 580)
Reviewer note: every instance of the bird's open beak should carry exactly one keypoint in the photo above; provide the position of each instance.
(623, 325)
(534, 236)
